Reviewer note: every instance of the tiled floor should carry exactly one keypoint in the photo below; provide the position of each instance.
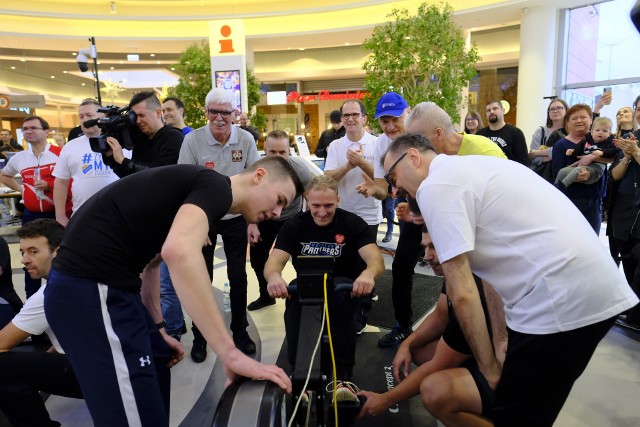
(606, 394)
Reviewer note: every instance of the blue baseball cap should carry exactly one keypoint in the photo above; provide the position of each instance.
(390, 104)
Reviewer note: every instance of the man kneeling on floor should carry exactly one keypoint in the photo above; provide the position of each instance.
(326, 230)
(23, 374)
(451, 385)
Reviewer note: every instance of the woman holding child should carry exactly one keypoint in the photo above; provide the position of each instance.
(585, 194)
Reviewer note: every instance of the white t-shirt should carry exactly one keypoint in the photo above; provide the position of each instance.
(86, 168)
(31, 318)
(526, 239)
(368, 208)
(381, 147)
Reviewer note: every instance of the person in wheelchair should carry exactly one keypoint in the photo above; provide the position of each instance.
(326, 230)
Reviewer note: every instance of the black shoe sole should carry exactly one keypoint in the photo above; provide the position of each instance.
(255, 305)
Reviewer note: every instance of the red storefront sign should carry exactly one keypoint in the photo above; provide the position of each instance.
(324, 95)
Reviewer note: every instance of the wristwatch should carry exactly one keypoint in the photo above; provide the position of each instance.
(161, 325)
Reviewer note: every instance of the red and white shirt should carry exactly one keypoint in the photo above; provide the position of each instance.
(25, 163)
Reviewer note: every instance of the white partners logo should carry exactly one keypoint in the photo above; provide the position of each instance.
(144, 361)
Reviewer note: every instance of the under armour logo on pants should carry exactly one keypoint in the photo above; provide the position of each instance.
(144, 361)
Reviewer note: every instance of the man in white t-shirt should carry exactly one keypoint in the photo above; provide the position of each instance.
(558, 306)
(82, 166)
(348, 158)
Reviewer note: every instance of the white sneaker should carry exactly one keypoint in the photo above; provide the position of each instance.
(345, 392)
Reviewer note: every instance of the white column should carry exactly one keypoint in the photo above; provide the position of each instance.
(538, 38)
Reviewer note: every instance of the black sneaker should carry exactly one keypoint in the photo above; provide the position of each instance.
(261, 303)
(395, 337)
(245, 344)
(199, 350)
(387, 237)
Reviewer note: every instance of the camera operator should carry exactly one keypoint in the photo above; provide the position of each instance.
(161, 146)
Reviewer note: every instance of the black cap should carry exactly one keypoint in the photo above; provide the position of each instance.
(335, 116)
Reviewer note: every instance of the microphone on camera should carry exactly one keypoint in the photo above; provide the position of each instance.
(90, 123)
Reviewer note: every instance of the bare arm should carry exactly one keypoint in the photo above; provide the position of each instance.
(11, 336)
(276, 284)
(339, 173)
(429, 331)
(60, 192)
(495, 306)
(150, 292)
(182, 251)
(10, 182)
(363, 285)
(373, 187)
(444, 358)
(463, 294)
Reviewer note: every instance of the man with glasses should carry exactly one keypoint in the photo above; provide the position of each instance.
(509, 138)
(35, 166)
(229, 150)
(349, 159)
(557, 307)
(158, 146)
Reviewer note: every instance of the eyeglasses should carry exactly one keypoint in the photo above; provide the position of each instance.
(30, 128)
(472, 119)
(346, 116)
(556, 109)
(387, 177)
(223, 113)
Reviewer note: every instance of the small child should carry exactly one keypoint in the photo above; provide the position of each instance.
(598, 142)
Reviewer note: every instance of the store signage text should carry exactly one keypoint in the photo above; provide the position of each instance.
(324, 95)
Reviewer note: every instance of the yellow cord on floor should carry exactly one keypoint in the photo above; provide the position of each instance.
(333, 357)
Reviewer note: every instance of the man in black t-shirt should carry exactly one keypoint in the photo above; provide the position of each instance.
(509, 138)
(326, 230)
(336, 131)
(159, 144)
(107, 268)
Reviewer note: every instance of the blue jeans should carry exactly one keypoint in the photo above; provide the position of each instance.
(389, 212)
(171, 308)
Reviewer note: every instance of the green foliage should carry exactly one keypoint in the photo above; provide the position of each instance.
(423, 57)
(259, 119)
(194, 69)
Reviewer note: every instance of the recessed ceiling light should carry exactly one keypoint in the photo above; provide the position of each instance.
(301, 48)
(99, 63)
(65, 72)
(74, 53)
(153, 54)
(173, 68)
(347, 44)
(83, 84)
(112, 68)
(122, 62)
(23, 60)
(53, 77)
(13, 68)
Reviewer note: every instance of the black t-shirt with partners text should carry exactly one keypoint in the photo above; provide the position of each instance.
(341, 239)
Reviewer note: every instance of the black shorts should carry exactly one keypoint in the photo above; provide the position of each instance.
(487, 394)
(539, 372)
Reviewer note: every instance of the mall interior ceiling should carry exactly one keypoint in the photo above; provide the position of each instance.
(39, 39)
